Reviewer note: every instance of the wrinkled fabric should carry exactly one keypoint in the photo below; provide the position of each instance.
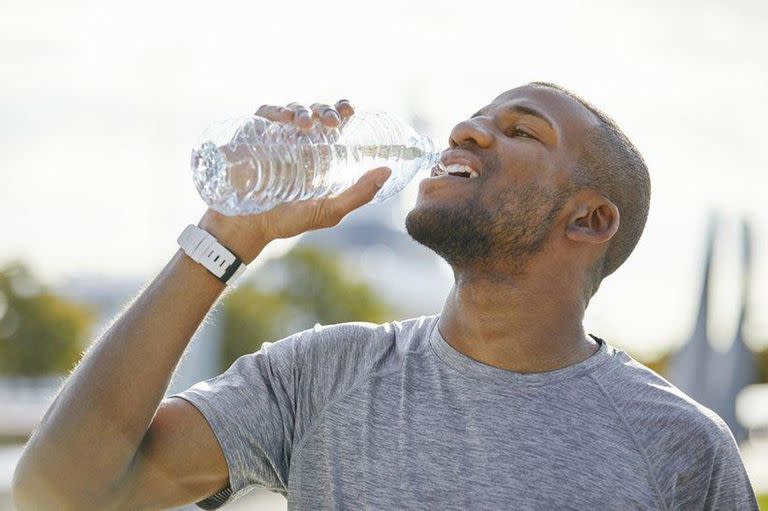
(390, 416)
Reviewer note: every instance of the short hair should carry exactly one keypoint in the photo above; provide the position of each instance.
(614, 167)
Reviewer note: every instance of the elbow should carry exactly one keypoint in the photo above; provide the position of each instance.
(22, 491)
(33, 489)
(25, 488)
(30, 491)
(37, 495)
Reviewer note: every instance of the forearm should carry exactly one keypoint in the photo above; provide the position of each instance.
(92, 432)
(93, 429)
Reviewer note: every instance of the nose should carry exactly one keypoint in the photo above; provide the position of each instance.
(470, 130)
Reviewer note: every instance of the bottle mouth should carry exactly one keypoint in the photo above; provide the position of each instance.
(431, 156)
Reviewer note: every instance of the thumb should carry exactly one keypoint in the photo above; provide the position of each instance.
(373, 180)
(361, 192)
(378, 176)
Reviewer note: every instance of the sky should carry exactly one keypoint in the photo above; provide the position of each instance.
(100, 105)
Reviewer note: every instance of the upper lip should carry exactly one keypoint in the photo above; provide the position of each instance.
(461, 157)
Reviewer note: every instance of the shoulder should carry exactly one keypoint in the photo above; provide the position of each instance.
(660, 412)
(352, 342)
(324, 364)
(337, 356)
(680, 438)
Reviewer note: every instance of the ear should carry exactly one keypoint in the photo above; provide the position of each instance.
(595, 219)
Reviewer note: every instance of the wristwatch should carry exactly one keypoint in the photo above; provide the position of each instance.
(203, 248)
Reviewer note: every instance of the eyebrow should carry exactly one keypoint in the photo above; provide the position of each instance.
(522, 109)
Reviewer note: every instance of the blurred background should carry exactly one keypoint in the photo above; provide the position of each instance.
(101, 103)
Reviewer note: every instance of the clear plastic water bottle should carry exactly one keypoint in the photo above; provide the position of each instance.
(249, 165)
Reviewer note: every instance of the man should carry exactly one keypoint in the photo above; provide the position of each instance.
(501, 401)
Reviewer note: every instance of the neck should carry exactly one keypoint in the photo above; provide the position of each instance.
(529, 322)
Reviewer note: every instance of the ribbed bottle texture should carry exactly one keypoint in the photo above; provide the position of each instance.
(249, 165)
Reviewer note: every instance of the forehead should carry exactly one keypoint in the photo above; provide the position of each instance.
(567, 114)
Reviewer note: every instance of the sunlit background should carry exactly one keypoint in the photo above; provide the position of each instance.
(100, 105)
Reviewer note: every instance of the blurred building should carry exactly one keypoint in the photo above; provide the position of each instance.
(709, 376)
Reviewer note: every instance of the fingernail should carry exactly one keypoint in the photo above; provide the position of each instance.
(332, 114)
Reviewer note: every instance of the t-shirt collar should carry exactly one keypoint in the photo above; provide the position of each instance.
(471, 367)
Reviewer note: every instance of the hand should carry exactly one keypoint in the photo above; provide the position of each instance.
(247, 235)
(305, 118)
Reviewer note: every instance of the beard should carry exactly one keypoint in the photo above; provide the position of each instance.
(472, 235)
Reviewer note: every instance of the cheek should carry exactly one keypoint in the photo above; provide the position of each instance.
(518, 173)
(522, 180)
(524, 161)
(513, 196)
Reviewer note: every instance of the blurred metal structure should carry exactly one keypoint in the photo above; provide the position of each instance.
(710, 377)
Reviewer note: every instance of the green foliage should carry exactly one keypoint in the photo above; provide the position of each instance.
(287, 295)
(661, 364)
(762, 501)
(762, 365)
(40, 332)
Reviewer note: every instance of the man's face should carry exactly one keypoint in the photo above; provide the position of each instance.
(523, 146)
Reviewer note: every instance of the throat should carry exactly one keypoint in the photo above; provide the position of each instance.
(520, 336)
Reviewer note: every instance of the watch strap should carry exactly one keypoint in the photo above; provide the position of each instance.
(202, 247)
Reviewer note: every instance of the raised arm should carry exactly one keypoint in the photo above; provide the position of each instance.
(107, 441)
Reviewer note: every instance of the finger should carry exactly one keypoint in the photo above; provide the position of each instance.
(326, 114)
(332, 210)
(284, 114)
(344, 108)
(302, 117)
(274, 113)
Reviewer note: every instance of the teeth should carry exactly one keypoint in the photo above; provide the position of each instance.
(455, 168)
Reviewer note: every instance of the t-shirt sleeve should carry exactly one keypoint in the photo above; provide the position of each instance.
(251, 409)
(729, 485)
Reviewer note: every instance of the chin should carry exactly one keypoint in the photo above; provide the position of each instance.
(422, 219)
(448, 230)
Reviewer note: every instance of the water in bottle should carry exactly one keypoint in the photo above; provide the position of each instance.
(249, 165)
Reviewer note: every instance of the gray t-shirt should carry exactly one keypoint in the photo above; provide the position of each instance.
(390, 416)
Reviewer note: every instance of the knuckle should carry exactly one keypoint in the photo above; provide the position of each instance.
(315, 214)
(345, 108)
(326, 215)
(320, 110)
(332, 220)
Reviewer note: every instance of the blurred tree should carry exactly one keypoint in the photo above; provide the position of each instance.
(762, 365)
(661, 364)
(40, 332)
(290, 294)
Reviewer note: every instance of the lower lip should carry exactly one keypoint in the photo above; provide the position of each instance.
(442, 185)
(446, 177)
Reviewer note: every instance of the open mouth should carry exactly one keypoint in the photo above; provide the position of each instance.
(454, 169)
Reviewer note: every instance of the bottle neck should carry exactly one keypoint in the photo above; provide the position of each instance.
(431, 156)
